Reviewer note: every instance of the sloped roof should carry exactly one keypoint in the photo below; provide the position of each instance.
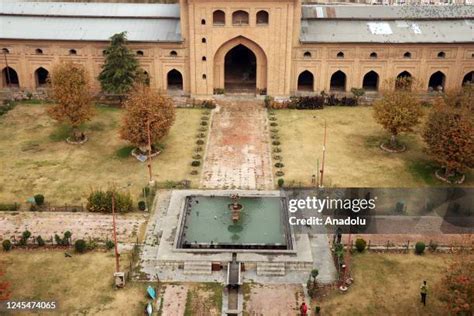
(90, 9)
(386, 12)
(387, 24)
(396, 31)
(89, 21)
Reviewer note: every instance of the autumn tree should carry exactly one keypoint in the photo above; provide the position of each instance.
(397, 111)
(120, 68)
(448, 132)
(457, 287)
(5, 291)
(146, 109)
(70, 90)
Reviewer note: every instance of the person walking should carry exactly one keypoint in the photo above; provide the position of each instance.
(423, 292)
(304, 309)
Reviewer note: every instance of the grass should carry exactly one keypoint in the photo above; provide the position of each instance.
(204, 299)
(82, 284)
(388, 284)
(353, 156)
(34, 158)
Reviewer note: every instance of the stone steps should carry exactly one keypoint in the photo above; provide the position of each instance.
(197, 267)
(271, 268)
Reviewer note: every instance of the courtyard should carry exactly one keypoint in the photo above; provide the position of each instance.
(35, 159)
(353, 156)
(387, 283)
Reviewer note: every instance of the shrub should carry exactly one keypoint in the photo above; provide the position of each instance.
(201, 135)
(308, 103)
(281, 182)
(332, 100)
(101, 201)
(433, 246)
(348, 101)
(360, 244)
(208, 104)
(420, 248)
(268, 101)
(277, 157)
(197, 156)
(205, 118)
(67, 237)
(279, 165)
(273, 124)
(276, 143)
(80, 245)
(7, 245)
(91, 245)
(219, 91)
(277, 150)
(39, 199)
(26, 234)
(9, 207)
(203, 129)
(203, 123)
(199, 142)
(279, 173)
(40, 241)
(195, 163)
(141, 205)
(109, 244)
(58, 239)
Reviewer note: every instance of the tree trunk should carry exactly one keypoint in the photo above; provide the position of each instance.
(76, 135)
(393, 140)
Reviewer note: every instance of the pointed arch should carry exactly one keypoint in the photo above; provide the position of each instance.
(468, 79)
(338, 81)
(41, 77)
(225, 48)
(404, 80)
(10, 77)
(437, 81)
(306, 81)
(174, 80)
(370, 82)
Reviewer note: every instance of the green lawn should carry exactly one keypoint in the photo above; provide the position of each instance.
(353, 156)
(35, 159)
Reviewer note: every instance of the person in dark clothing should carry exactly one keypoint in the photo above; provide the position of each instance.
(423, 292)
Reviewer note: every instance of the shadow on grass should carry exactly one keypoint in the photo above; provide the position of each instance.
(124, 152)
(60, 134)
(424, 170)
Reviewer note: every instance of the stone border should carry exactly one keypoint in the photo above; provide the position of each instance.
(134, 154)
(396, 151)
(460, 181)
(77, 143)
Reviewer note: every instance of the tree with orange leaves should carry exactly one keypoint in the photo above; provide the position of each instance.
(70, 90)
(146, 108)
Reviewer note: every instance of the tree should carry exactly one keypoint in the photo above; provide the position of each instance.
(457, 287)
(448, 132)
(5, 291)
(70, 89)
(80, 245)
(146, 109)
(120, 67)
(398, 111)
(314, 275)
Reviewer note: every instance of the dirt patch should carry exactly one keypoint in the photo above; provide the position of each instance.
(174, 299)
(274, 299)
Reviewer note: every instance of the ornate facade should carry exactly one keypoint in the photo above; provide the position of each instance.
(275, 47)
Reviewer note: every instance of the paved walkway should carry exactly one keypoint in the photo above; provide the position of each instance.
(238, 154)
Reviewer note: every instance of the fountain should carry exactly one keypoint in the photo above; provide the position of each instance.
(235, 207)
(233, 221)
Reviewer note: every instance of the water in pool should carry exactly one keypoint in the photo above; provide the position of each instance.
(209, 221)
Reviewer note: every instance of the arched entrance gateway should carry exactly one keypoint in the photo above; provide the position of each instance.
(240, 65)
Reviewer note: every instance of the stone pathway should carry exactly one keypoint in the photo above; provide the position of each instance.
(80, 224)
(238, 154)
